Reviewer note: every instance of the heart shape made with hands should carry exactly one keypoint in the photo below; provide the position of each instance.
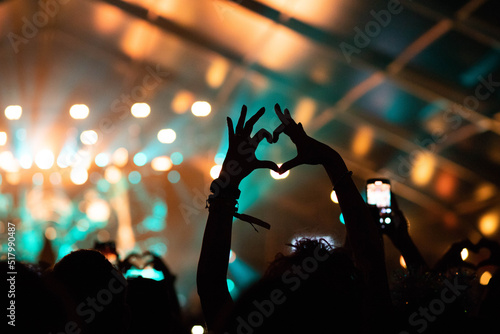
(140, 261)
(484, 253)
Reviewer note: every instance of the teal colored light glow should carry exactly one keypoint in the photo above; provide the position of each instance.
(242, 273)
(153, 224)
(64, 250)
(21, 134)
(102, 159)
(158, 248)
(177, 158)
(174, 176)
(134, 177)
(150, 273)
(160, 209)
(219, 158)
(230, 285)
(140, 159)
(103, 185)
(341, 218)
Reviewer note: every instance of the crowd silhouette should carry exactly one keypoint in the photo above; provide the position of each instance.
(314, 288)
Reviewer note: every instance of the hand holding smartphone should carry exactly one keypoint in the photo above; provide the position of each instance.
(378, 195)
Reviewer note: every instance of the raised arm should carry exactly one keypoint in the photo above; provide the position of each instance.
(362, 235)
(214, 258)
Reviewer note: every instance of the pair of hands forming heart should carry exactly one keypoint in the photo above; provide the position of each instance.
(241, 160)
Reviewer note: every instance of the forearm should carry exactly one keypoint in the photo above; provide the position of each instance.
(413, 259)
(364, 239)
(214, 260)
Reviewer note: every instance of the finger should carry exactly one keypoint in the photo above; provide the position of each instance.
(277, 132)
(267, 164)
(241, 120)
(279, 113)
(251, 122)
(230, 128)
(290, 164)
(261, 134)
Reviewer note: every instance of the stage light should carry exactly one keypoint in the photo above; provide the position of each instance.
(181, 102)
(120, 157)
(161, 164)
(232, 256)
(215, 171)
(217, 72)
(102, 159)
(134, 177)
(50, 233)
(98, 211)
(363, 141)
(3, 138)
(278, 176)
(89, 137)
(112, 174)
(464, 254)
(13, 112)
(488, 224)
(79, 176)
(140, 110)
(485, 278)
(333, 197)
(82, 225)
(55, 178)
(201, 108)
(177, 158)
(37, 179)
(140, 159)
(423, 168)
(8, 163)
(402, 261)
(13, 178)
(197, 329)
(230, 284)
(25, 161)
(44, 159)
(166, 136)
(79, 111)
(174, 176)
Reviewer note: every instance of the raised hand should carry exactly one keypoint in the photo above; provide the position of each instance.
(309, 150)
(240, 158)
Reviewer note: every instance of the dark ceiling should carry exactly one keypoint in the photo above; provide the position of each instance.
(405, 90)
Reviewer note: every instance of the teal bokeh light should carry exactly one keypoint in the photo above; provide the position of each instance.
(134, 177)
(174, 176)
(140, 159)
(177, 158)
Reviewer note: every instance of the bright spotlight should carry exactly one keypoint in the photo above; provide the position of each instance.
(44, 159)
(140, 159)
(278, 176)
(89, 137)
(166, 136)
(464, 254)
(333, 197)
(112, 174)
(120, 157)
(79, 175)
(79, 111)
(13, 112)
(3, 138)
(25, 161)
(102, 159)
(201, 108)
(215, 171)
(197, 329)
(161, 164)
(140, 110)
(98, 211)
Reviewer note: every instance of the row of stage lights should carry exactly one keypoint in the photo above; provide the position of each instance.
(45, 159)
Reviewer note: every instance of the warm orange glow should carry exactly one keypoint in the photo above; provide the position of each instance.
(112, 174)
(215, 171)
(13, 178)
(139, 39)
(161, 164)
(107, 19)
(182, 101)
(333, 197)
(120, 157)
(44, 159)
(8, 163)
(50, 233)
(304, 111)
(485, 278)
(217, 72)
(402, 261)
(79, 176)
(423, 168)
(488, 224)
(464, 254)
(446, 185)
(484, 191)
(362, 141)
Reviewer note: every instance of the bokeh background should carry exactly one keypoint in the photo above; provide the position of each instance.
(113, 118)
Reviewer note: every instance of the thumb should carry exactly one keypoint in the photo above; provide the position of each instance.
(290, 164)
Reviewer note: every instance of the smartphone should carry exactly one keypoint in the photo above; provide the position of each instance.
(378, 194)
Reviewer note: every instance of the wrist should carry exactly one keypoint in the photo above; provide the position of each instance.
(225, 187)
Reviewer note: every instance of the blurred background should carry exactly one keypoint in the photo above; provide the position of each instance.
(113, 121)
